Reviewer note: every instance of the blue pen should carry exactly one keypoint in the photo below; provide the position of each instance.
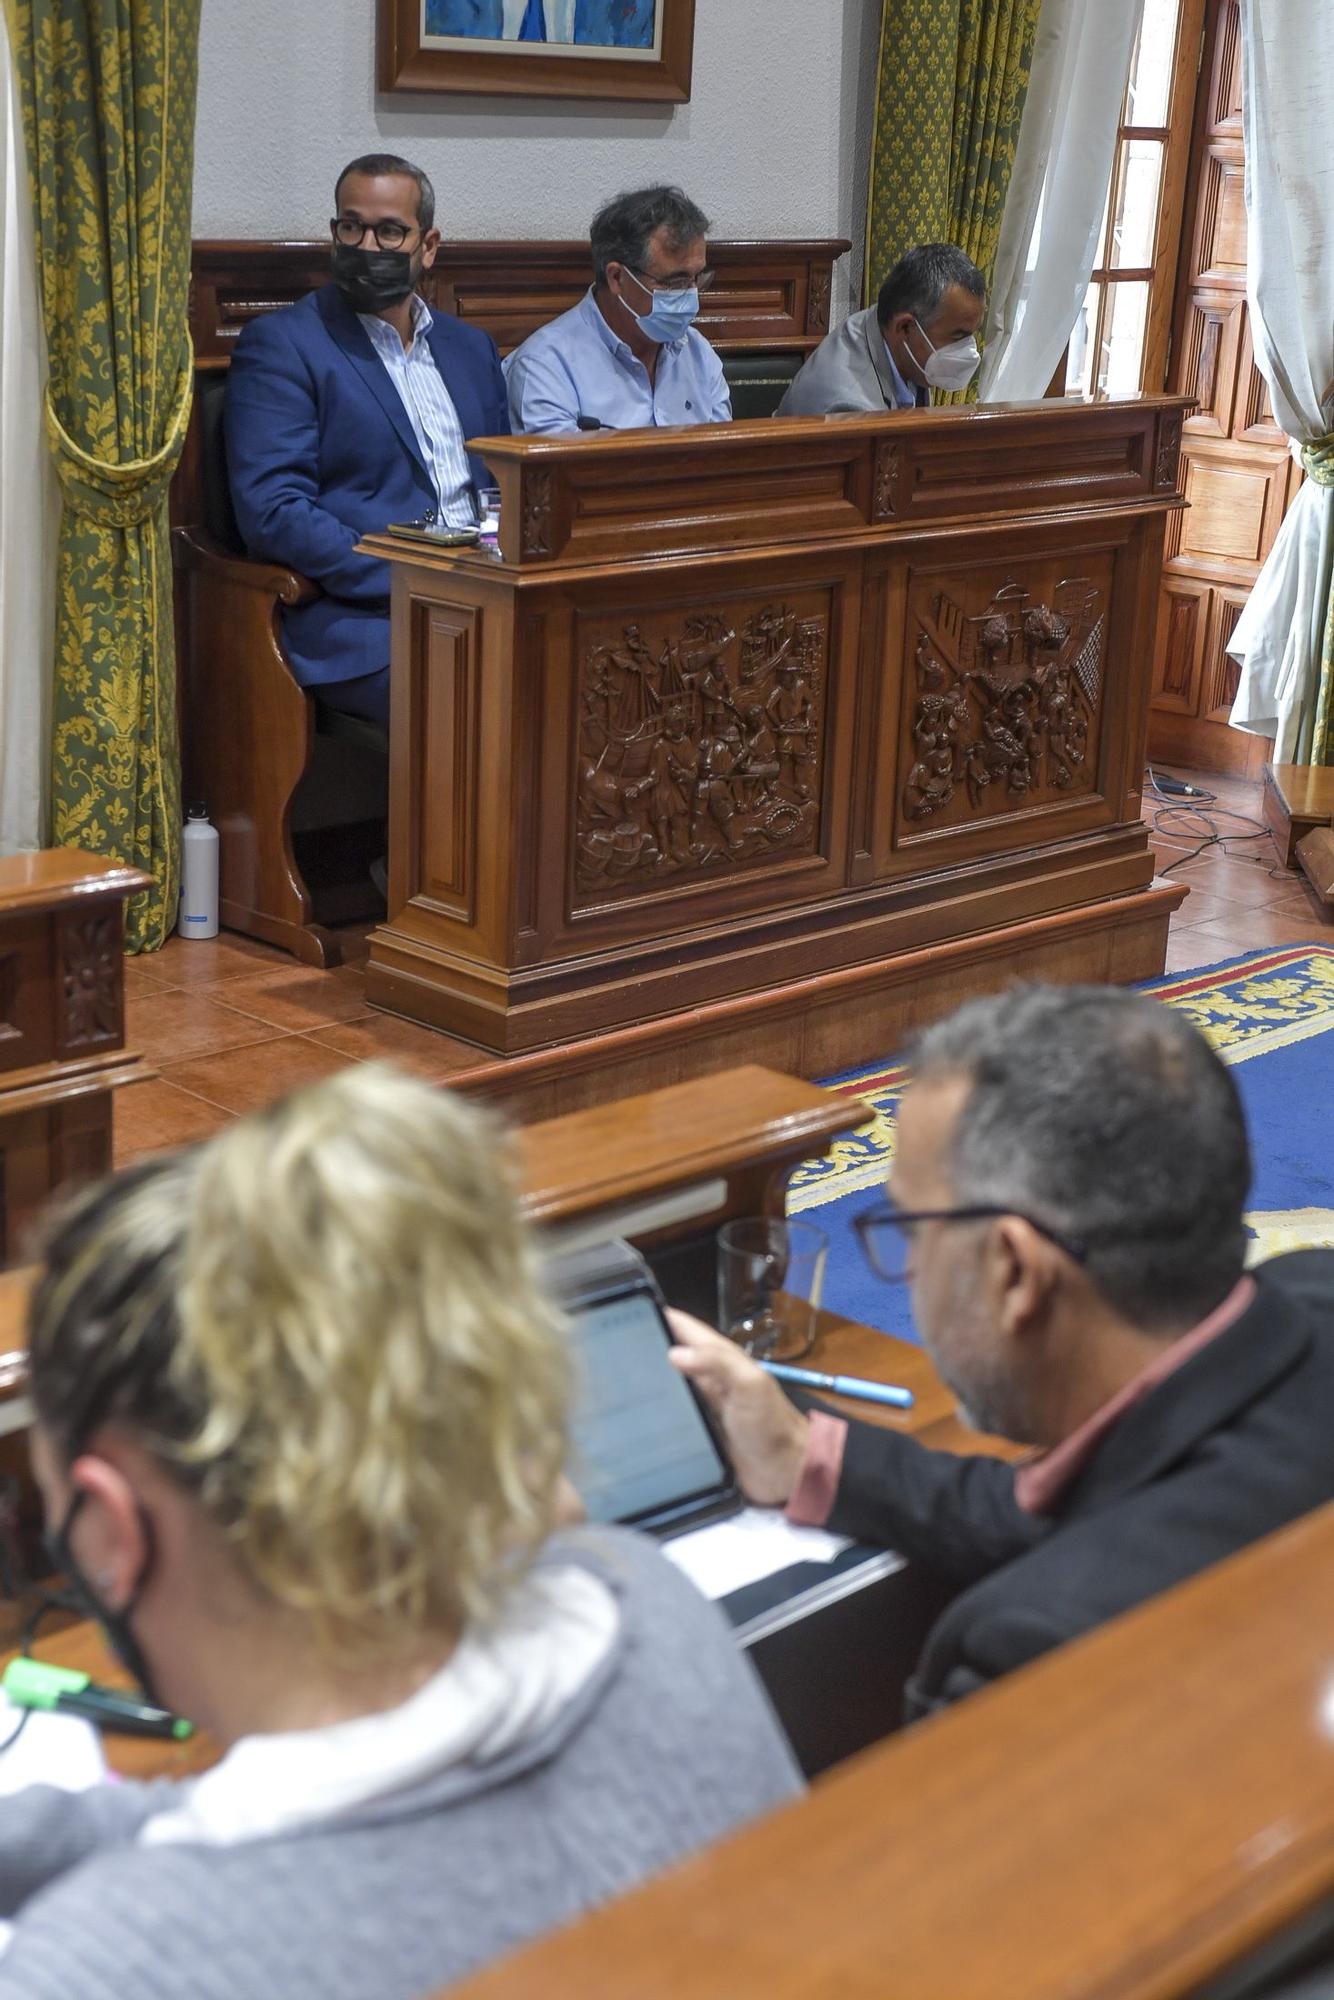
(842, 1385)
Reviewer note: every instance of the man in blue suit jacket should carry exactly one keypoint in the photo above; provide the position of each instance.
(349, 410)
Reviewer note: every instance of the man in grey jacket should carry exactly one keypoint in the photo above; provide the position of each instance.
(917, 336)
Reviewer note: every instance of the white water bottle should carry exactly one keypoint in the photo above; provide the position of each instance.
(199, 876)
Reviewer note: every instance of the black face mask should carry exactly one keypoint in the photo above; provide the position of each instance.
(370, 280)
(115, 1624)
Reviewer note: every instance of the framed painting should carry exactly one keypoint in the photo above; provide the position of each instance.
(616, 49)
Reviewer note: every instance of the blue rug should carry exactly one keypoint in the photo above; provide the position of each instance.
(1269, 1013)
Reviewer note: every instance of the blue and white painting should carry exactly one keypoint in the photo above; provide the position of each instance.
(586, 24)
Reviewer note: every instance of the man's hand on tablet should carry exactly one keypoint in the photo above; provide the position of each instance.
(766, 1436)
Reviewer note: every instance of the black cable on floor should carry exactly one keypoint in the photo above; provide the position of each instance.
(1197, 818)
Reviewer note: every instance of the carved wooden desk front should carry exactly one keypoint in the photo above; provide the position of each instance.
(62, 1024)
(761, 741)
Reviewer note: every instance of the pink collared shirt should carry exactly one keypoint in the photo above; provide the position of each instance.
(1039, 1484)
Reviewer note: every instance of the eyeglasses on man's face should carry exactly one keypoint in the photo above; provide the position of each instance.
(389, 233)
(679, 281)
(886, 1233)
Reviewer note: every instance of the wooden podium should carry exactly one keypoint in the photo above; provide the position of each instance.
(764, 741)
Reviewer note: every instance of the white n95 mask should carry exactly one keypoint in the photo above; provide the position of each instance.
(952, 366)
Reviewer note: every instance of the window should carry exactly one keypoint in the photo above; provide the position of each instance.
(1119, 346)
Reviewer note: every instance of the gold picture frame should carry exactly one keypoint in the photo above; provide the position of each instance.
(415, 54)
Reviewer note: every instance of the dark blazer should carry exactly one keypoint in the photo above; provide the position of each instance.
(320, 451)
(1237, 1442)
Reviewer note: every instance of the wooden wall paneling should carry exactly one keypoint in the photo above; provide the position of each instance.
(1225, 82)
(765, 294)
(1179, 644)
(1221, 244)
(1237, 472)
(1236, 499)
(1209, 361)
(1220, 673)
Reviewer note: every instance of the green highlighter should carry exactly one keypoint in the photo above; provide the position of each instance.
(64, 1691)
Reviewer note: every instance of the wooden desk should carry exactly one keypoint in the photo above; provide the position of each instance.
(1298, 798)
(769, 740)
(840, 1344)
(81, 1646)
(666, 1169)
(1121, 1821)
(62, 1025)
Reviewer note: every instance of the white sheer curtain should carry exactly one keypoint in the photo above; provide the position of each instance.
(1063, 162)
(29, 500)
(1288, 119)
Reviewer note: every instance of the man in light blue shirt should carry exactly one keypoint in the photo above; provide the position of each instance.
(628, 356)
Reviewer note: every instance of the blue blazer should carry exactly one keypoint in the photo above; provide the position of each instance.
(320, 451)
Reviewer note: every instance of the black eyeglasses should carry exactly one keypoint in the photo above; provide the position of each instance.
(885, 1233)
(389, 234)
(682, 282)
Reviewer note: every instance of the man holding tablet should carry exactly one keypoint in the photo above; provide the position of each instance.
(1068, 1192)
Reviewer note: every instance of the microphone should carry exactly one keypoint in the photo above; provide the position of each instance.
(592, 424)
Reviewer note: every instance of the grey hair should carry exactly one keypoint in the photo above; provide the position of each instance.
(920, 280)
(372, 165)
(1107, 1116)
(622, 228)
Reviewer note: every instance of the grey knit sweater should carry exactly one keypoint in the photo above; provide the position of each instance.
(668, 1747)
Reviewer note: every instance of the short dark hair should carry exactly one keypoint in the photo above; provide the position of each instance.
(372, 165)
(622, 228)
(920, 280)
(1107, 1116)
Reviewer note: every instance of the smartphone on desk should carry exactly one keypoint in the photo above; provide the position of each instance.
(435, 533)
(647, 1453)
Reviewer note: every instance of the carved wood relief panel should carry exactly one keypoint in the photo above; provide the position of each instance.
(701, 741)
(90, 981)
(1003, 691)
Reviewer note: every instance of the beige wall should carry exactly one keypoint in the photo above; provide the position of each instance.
(772, 143)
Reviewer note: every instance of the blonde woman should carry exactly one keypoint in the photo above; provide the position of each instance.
(301, 1419)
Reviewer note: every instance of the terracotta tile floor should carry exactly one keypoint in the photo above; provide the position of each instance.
(228, 1025)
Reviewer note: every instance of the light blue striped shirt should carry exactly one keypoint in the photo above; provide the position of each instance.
(430, 407)
(577, 366)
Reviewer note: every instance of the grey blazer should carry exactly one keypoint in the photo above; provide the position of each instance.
(849, 370)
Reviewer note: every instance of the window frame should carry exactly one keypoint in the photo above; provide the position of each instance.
(1174, 136)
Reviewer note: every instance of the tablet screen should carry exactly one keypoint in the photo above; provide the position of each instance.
(640, 1442)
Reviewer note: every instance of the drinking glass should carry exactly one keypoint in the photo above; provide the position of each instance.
(770, 1275)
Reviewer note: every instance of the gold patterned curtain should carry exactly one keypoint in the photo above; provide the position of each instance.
(108, 96)
(952, 81)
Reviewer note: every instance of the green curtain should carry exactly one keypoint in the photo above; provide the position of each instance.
(950, 92)
(1318, 465)
(108, 97)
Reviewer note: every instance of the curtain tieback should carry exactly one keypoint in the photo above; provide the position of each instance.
(1318, 459)
(124, 495)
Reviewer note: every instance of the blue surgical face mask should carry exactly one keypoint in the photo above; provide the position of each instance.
(672, 313)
